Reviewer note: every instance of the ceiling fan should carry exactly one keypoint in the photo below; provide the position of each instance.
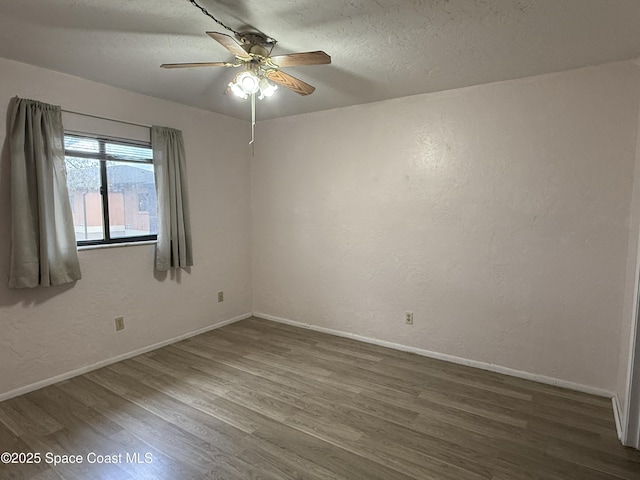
(253, 52)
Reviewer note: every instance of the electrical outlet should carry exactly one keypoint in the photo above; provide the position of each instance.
(119, 323)
(220, 297)
(408, 318)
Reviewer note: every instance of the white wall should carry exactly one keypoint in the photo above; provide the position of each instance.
(498, 214)
(47, 332)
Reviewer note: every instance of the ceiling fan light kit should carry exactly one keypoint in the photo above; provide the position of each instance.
(249, 83)
(261, 72)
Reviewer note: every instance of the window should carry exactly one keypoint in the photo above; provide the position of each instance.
(112, 189)
(143, 202)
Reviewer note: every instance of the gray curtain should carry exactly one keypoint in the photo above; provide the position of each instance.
(173, 249)
(43, 243)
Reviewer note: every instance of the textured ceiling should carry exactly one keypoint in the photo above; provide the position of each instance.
(380, 49)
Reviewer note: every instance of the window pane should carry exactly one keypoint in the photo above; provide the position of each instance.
(81, 144)
(132, 199)
(83, 181)
(128, 152)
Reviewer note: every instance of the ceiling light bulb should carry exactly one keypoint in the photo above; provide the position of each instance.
(267, 88)
(237, 91)
(248, 82)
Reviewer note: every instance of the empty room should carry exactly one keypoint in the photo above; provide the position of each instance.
(363, 240)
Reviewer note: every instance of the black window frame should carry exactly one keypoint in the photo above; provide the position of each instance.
(103, 157)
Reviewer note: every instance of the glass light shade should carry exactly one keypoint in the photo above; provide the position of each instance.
(237, 91)
(248, 82)
(267, 88)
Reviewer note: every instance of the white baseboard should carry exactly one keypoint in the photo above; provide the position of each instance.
(615, 401)
(449, 358)
(118, 358)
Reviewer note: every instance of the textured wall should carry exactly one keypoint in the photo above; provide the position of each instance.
(498, 214)
(46, 332)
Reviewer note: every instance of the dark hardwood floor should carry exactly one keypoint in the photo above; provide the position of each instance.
(261, 400)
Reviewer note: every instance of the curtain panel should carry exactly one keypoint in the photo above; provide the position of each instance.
(43, 243)
(173, 249)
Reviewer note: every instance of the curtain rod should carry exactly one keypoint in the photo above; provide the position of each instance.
(107, 118)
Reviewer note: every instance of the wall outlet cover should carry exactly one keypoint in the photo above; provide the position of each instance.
(119, 323)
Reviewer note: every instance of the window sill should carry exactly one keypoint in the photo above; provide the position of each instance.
(115, 245)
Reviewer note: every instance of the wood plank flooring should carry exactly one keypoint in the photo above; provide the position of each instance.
(261, 400)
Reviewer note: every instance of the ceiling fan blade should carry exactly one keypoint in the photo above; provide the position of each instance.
(306, 58)
(230, 44)
(292, 83)
(189, 65)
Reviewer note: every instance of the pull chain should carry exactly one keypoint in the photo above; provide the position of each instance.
(253, 122)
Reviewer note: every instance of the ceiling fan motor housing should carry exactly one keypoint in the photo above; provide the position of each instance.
(256, 38)
(258, 50)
